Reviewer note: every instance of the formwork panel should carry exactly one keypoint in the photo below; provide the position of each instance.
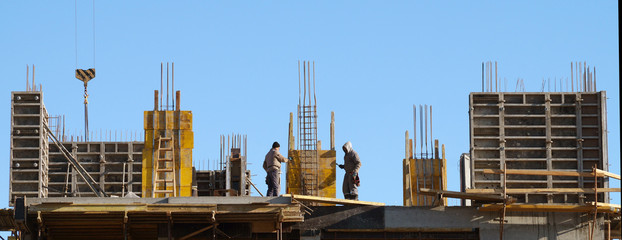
(326, 175)
(176, 124)
(28, 146)
(111, 164)
(538, 131)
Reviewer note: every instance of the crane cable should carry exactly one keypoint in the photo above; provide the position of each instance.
(76, 31)
(84, 78)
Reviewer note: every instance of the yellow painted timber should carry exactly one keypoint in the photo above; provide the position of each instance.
(599, 173)
(545, 208)
(331, 200)
(461, 195)
(170, 118)
(327, 173)
(541, 190)
(600, 204)
(608, 174)
(177, 124)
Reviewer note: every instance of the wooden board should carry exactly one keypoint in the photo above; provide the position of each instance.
(545, 208)
(305, 198)
(452, 194)
(540, 190)
(599, 173)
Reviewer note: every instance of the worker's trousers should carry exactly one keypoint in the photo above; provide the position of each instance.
(274, 183)
(350, 190)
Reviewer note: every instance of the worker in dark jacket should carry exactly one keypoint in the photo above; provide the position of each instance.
(272, 165)
(352, 164)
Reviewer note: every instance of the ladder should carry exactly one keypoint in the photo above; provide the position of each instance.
(164, 168)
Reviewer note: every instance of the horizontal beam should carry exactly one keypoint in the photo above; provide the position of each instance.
(331, 200)
(600, 204)
(599, 173)
(608, 174)
(538, 172)
(461, 195)
(540, 190)
(545, 208)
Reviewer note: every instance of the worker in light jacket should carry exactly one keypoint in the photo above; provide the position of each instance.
(272, 165)
(351, 165)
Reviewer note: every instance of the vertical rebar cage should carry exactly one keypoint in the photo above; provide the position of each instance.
(312, 170)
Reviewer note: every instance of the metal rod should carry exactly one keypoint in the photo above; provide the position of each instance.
(576, 76)
(491, 83)
(482, 83)
(314, 99)
(34, 87)
(496, 89)
(27, 79)
(571, 78)
(161, 79)
(173, 81)
(415, 128)
(309, 80)
(421, 130)
(167, 91)
(431, 138)
(426, 130)
(595, 79)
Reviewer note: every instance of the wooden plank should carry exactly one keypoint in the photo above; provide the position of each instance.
(331, 200)
(545, 208)
(452, 194)
(407, 185)
(608, 174)
(543, 173)
(600, 204)
(540, 190)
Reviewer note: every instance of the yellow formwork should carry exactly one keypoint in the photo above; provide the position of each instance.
(326, 175)
(326, 165)
(425, 173)
(177, 124)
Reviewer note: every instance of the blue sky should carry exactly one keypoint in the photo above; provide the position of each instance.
(236, 65)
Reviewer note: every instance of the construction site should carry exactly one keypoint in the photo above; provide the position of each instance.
(537, 167)
(537, 161)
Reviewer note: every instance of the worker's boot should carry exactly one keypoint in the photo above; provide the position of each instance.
(354, 197)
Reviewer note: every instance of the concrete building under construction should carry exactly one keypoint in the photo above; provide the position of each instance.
(537, 168)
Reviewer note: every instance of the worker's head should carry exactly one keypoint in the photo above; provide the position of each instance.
(347, 147)
(276, 145)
